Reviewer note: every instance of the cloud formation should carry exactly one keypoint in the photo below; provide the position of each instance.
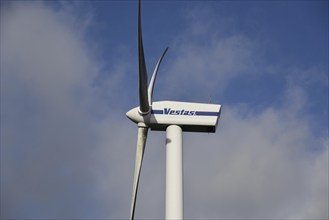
(258, 166)
(67, 150)
(47, 133)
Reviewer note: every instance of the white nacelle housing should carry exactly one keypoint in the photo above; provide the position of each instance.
(195, 117)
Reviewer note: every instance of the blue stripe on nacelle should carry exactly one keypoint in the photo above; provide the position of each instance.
(207, 113)
(157, 112)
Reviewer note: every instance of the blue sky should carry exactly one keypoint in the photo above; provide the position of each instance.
(69, 74)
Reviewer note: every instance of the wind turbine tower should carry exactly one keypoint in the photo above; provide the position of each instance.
(174, 118)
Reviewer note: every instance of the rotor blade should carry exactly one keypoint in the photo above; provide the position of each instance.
(141, 140)
(151, 85)
(143, 99)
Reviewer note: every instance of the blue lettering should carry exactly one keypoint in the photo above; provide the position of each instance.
(169, 111)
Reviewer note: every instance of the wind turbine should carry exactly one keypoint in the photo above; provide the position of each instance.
(172, 117)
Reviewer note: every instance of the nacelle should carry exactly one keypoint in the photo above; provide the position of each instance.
(194, 117)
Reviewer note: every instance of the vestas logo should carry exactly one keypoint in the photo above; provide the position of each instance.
(169, 111)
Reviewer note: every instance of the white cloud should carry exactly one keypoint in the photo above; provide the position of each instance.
(214, 63)
(46, 131)
(257, 166)
(205, 59)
